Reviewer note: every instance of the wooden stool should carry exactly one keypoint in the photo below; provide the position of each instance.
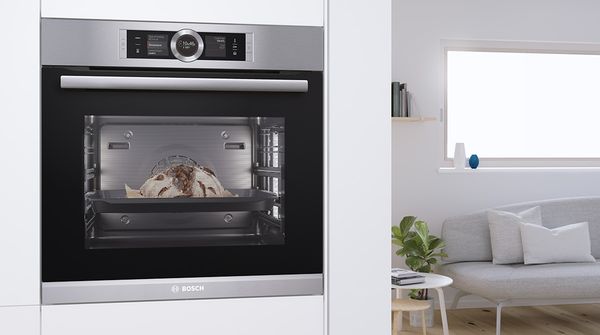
(408, 305)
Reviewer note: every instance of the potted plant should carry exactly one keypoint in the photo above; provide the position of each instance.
(421, 251)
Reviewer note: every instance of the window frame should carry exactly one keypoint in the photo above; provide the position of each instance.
(512, 47)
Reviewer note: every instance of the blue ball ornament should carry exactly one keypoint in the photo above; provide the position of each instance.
(473, 161)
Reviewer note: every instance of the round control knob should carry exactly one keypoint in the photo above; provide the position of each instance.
(187, 45)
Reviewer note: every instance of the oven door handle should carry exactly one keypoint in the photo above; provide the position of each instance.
(183, 84)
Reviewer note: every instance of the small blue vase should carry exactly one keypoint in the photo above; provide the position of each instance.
(473, 161)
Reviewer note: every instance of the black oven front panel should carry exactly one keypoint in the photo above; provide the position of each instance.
(142, 183)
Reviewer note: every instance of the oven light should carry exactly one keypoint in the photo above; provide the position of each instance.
(275, 186)
(275, 149)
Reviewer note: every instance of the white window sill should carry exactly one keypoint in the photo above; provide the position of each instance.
(451, 170)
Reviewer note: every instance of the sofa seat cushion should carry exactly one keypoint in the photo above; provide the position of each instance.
(519, 281)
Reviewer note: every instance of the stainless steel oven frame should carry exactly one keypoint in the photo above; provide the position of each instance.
(85, 66)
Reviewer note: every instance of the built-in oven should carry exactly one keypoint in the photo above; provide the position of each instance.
(180, 161)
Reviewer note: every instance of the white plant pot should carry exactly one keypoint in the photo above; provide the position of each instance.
(415, 317)
(460, 157)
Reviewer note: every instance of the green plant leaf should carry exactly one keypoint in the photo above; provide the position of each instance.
(412, 246)
(406, 224)
(435, 242)
(396, 231)
(423, 232)
(432, 260)
(439, 254)
(413, 262)
(398, 242)
(411, 235)
(402, 251)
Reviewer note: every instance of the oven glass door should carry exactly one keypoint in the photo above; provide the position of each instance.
(170, 174)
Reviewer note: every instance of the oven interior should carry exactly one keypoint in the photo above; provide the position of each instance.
(245, 155)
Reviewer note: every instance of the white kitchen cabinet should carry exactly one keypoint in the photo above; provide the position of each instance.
(19, 152)
(21, 320)
(359, 142)
(265, 316)
(282, 12)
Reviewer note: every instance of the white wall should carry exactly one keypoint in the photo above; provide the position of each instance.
(418, 27)
(285, 12)
(19, 154)
(359, 73)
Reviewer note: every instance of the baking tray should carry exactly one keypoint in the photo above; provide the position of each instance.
(116, 201)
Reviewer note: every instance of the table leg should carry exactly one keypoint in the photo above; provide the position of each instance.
(400, 315)
(440, 293)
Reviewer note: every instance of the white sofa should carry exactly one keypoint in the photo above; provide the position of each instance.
(469, 260)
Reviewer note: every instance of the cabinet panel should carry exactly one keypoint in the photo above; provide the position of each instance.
(265, 316)
(21, 320)
(284, 12)
(19, 152)
(358, 99)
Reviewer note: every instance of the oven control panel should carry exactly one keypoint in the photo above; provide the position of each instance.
(185, 45)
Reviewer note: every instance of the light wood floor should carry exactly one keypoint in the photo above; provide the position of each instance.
(538, 320)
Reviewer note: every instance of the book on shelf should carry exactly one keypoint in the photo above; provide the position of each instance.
(400, 105)
(404, 112)
(396, 99)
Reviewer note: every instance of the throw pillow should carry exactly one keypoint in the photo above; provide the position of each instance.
(570, 243)
(505, 233)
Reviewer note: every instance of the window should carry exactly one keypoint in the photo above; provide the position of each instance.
(516, 104)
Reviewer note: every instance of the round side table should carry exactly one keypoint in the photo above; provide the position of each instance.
(432, 281)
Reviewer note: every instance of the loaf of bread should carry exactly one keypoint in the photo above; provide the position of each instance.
(184, 181)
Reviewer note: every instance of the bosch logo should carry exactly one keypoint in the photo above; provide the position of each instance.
(192, 288)
(187, 288)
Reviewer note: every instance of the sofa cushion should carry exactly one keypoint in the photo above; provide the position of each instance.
(570, 243)
(518, 281)
(505, 233)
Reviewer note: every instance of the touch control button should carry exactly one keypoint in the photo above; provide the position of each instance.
(187, 45)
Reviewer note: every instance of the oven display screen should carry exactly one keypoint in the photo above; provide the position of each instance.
(158, 45)
(215, 46)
